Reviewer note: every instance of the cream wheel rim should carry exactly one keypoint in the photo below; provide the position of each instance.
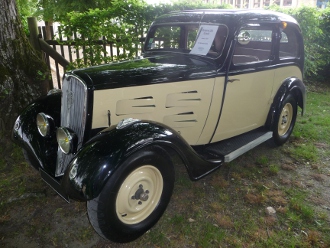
(285, 119)
(139, 194)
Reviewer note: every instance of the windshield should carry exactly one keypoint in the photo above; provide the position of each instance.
(207, 40)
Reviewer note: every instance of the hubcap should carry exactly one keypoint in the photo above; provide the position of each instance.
(285, 119)
(139, 194)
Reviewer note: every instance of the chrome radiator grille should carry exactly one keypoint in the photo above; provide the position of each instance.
(73, 115)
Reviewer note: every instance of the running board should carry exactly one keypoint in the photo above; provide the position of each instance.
(228, 150)
(231, 156)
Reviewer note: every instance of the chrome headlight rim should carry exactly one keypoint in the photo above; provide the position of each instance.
(67, 140)
(54, 91)
(45, 124)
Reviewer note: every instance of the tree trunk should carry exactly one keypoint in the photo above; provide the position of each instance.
(23, 75)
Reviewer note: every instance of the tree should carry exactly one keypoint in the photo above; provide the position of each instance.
(56, 10)
(26, 8)
(22, 72)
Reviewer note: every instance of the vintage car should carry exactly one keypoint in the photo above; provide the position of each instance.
(211, 85)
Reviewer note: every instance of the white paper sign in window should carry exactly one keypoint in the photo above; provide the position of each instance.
(204, 39)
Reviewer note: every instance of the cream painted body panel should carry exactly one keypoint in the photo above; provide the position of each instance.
(192, 107)
(213, 117)
(282, 73)
(248, 99)
(184, 105)
(246, 105)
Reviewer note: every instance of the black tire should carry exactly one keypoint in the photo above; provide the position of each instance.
(143, 201)
(285, 120)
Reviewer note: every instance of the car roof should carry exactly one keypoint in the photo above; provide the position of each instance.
(225, 16)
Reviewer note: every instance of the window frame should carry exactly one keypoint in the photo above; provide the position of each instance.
(183, 42)
(273, 51)
(298, 46)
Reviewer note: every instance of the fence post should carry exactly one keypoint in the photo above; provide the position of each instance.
(34, 33)
(34, 41)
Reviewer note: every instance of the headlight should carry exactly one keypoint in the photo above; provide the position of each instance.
(45, 124)
(67, 140)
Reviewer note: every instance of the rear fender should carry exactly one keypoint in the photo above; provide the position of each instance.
(101, 156)
(292, 86)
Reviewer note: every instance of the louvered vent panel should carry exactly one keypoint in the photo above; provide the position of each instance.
(140, 105)
(183, 99)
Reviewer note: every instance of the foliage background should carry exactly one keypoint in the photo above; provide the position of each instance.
(314, 23)
(124, 22)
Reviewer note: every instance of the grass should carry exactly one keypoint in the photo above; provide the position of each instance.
(224, 209)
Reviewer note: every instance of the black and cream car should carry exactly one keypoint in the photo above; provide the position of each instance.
(211, 85)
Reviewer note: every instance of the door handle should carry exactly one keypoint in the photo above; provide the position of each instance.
(233, 80)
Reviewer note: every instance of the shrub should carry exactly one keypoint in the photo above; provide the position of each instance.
(314, 23)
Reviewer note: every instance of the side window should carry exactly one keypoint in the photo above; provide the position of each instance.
(165, 37)
(191, 36)
(289, 45)
(209, 40)
(254, 45)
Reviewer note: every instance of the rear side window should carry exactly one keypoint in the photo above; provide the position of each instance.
(289, 45)
(254, 45)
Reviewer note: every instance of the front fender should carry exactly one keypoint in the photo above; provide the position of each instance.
(100, 157)
(40, 151)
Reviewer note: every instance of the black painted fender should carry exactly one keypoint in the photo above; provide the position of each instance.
(292, 86)
(101, 156)
(40, 151)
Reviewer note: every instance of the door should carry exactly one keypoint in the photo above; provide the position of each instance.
(250, 83)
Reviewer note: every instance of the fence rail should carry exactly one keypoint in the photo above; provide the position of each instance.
(61, 52)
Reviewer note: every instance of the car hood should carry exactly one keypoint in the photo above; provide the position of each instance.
(144, 71)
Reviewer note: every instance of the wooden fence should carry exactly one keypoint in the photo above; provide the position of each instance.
(60, 52)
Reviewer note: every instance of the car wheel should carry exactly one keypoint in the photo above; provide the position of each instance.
(285, 120)
(134, 198)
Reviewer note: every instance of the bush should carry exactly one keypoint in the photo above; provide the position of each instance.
(121, 24)
(324, 42)
(314, 23)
